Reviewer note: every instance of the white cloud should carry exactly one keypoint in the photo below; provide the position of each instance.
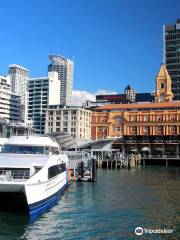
(104, 92)
(80, 97)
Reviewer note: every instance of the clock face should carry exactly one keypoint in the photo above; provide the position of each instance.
(162, 97)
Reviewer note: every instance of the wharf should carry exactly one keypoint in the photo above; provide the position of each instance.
(82, 166)
(129, 151)
(114, 160)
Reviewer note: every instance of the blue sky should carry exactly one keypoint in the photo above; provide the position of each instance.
(114, 42)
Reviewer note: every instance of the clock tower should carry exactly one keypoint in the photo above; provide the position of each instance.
(163, 92)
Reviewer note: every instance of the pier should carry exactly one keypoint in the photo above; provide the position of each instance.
(130, 151)
(82, 166)
(115, 159)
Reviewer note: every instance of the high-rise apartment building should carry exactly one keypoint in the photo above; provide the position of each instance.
(18, 76)
(171, 37)
(64, 67)
(9, 101)
(42, 92)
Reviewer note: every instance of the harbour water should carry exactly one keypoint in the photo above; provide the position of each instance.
(111, 208)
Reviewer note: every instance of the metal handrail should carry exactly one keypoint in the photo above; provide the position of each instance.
(14, 174)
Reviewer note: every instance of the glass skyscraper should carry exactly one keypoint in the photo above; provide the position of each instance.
(171, 37)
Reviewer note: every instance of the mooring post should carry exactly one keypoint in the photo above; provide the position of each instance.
(94, 172)
(116, 161)
(82, 169)
(166, 162)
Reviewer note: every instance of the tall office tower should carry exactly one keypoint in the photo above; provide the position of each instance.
(42, 92)
(171, 37)
(18, 76)
(64, 67)
(9, 101)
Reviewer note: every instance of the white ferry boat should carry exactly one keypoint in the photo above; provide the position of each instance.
(33, 174)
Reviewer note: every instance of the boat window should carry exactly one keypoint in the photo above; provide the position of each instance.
(56, 169)
(55, 150)
(37, 169)
(46, 150)
(19, 149)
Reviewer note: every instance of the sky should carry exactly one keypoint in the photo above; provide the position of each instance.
(113, 42)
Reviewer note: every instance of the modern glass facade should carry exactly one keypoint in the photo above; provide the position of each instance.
(38, 90)
(171, 37)
(42, 92)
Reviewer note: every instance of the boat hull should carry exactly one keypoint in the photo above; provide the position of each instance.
(32, 199)
(41, 196)
(39, 207)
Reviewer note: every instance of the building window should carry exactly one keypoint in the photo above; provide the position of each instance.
(162, 85)
(172, 118)
(65, 112)
(133, 118)
(102, 119)
(118, 129)
(73, 112)
(159, 118)
(172, 129)
(159, 129)
(146, 118)
(133, 129)
(49, 124)
(65, 124)
(65, 118)
(118, 119)
(146, 129)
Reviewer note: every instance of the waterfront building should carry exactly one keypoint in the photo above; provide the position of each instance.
(9, 101)
(136, 119)
(64, 67)
(70, 119)
(18, 76)
(171, 37)
(42, 92)
(163, 86)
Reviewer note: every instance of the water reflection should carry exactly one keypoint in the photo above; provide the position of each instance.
(12, 225)
(109, 209)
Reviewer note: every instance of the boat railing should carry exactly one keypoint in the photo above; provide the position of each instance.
(10, 174)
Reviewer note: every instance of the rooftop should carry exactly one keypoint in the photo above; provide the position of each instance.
(18, 66)
(172, 104)
(58, 59)
(31, 141)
